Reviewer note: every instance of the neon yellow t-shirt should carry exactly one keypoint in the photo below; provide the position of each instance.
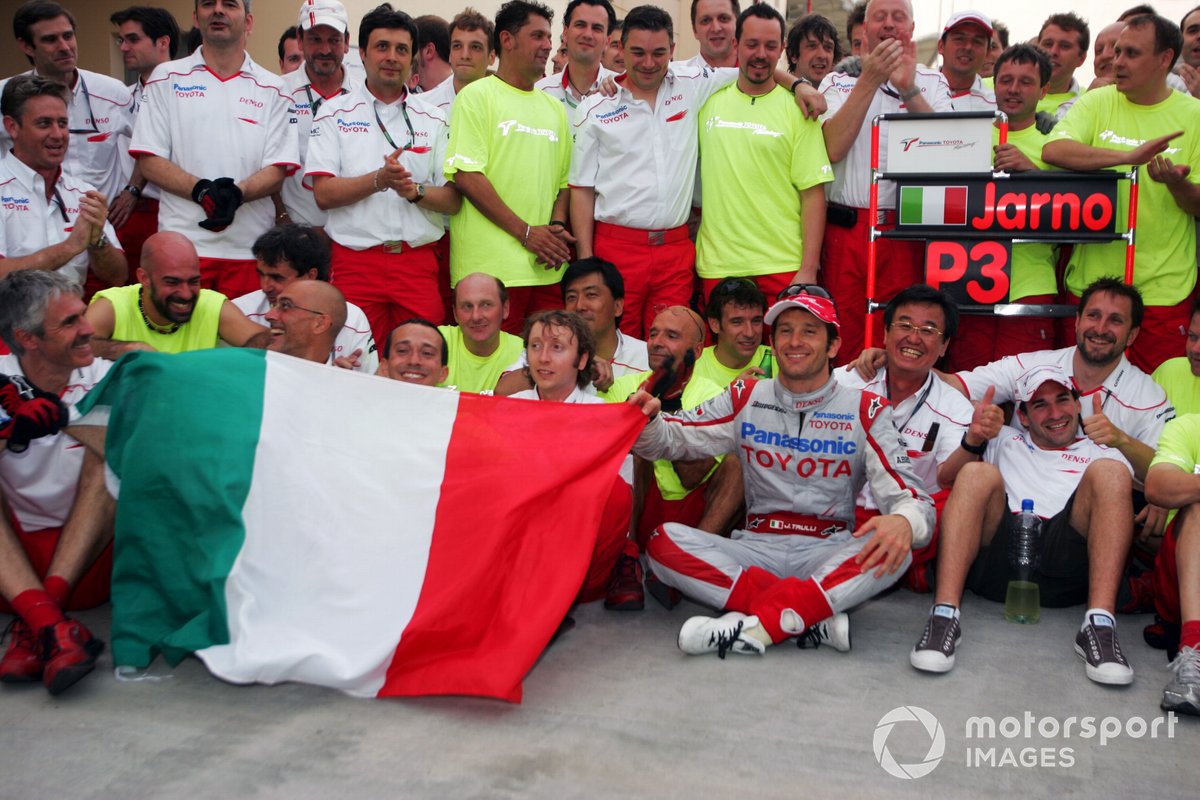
(200, 333)
(1051, 102)
(1165, 261)
(696, 391)
(471, 373)
(522, 143)
(709, 368)
(1032, 264)
(1179, 443)
(762, 152)
(1182, 387)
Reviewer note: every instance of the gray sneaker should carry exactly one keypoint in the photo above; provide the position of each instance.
(1100, 649)
(935, 649)
(1183, 692)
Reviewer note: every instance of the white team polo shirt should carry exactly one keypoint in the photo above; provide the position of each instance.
(441, 96)
(642, 160)
(101, 119)
(977, 98)
(29, 223)
(852, 175)
(150, 191)
(558, 86)
(936, 410)
(298, 199)
(214, 128)
(40, 483)
(1132, 400)
(355, 334)
(1047, 477)
(347, 141)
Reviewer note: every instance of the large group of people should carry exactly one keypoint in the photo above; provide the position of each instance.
(688, 237)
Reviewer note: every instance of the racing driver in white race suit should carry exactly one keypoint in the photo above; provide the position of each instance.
(806, 446)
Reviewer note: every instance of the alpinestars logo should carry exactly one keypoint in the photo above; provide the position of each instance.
(874, 407)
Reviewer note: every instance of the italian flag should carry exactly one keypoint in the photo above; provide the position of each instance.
(289, 521)
(933, 205)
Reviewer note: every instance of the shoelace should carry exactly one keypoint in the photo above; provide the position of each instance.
(727, 638)
(1187, 665)
(813, 637)
(1102, 634)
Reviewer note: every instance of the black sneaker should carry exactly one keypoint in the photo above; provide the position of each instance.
(935, 649)
(1099, 647)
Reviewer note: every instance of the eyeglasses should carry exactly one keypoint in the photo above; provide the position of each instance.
(810, 289)
(926, 331)
(283, 304)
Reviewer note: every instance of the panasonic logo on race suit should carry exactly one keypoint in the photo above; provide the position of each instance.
(815, 445)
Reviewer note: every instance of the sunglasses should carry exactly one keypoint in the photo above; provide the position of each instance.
(796, 289)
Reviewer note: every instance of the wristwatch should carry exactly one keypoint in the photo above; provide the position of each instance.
(100, 243)
(133, 190)
(419, 196)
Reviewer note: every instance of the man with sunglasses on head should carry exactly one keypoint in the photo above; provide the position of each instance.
(931, 417)
(375, 164)
(50, 219)
(100, 108)
(807, 446)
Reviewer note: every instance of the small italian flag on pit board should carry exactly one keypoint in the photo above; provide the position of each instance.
(933, 205)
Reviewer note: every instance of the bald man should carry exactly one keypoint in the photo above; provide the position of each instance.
(306, 319)
(479, 350)
(416, 352)
(167, 310)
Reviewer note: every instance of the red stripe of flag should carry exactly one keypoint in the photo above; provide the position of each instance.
(956, 205)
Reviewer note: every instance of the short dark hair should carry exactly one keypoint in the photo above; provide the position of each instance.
(734, 291)
(299, 245)
(387, 344)
(586, 340)
(21, 88)
(761, 11)
(819, 28)
(385, 17)
(925, 295)
(857, 16)
(436, 31)
(607, 6)
(1137, 11)
(471, 20)
(594, 266)
(291, 33)
(734, 6)
(1025, 54)
(1188, 14)
(1117, 287)
(192, 39)
(1167, 35)
(1069, 21)
(36, 11)
(648, 18)
(514, 15)
(1001, 32)
(156, 23)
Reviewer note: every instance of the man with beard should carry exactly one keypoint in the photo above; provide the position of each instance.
(963, 48)
(167, 310)
(1081, 490)
(812, 48)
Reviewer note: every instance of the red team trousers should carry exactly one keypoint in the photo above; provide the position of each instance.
(390, 287)
(656, 266)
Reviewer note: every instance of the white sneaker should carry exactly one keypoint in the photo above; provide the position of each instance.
(834, 631)
(1183, 692)
(701, 635)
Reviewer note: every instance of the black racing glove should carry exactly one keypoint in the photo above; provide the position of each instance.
(29, 413)
(220, 200)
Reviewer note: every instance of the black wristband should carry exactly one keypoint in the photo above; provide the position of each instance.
(799, 81)
(973, 449)
(557, 222)
(133, 190)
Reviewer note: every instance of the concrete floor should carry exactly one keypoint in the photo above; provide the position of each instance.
(615, 710)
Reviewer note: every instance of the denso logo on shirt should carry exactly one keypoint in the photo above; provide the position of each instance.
(250, 101)
(194, 90)
(510, 125)
(96, 121)
(14, 203)
(353, 125)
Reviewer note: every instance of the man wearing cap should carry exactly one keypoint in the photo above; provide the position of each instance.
(963, 48)
(734, 312)
(214, 133)
(1141, 121)
(374, 162)
(323, 27)
(1081, 490)
(890, 83)
(807, 446)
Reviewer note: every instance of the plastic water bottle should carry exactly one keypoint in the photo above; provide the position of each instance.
(1022, 603)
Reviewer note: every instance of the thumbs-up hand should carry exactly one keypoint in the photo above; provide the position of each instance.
(1099, 428)
(986, 421)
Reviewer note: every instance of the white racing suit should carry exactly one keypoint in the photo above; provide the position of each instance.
(804, 459)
